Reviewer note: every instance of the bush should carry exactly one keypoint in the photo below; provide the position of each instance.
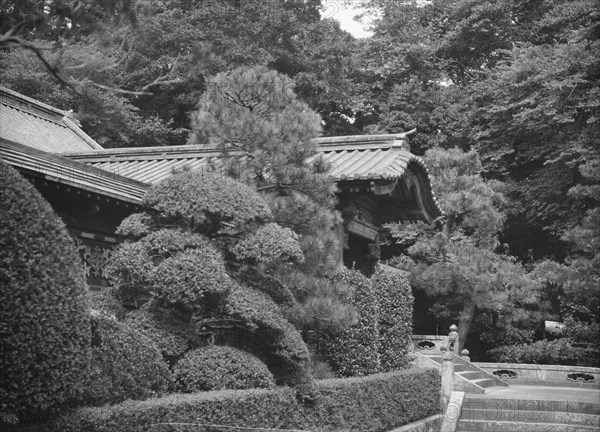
(269, 244)
(557, 352)
(167, 332)
(354, 352)
(174, 265)
(105, 301)
(375, 403)
(204, 201)
(45, 331)
(395, 317)
(380, 340)
(125, 364)
(220, 368)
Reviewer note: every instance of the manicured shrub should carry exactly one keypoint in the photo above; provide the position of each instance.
(269, 244)
(45, 326)
(125, 364)
(557, 352)
(203, 201)
(395, 317)
(105, 301)
(189, 252)
(220, 368)
(375, 403)
(354, 352)
(380, 340)
(167, 332)
(173, 265)
(135, 226)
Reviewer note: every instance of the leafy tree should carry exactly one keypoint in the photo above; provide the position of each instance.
(455, 262)
(265, 135)
(575, 285)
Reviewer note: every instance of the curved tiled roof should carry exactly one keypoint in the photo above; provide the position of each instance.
(352, 158)
(71, 173)
(43, 127)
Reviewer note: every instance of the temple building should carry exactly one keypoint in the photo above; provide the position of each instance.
(93, 189)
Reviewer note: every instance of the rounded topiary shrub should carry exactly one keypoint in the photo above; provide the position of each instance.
(45, 326)
(219, 368)
(125, 364)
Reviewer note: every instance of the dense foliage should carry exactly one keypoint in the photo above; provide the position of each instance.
(220, 368)
(125, 364)
(374, 403)
(458, 265)
(556, 352)
(512, 84)
(45, 331)
(264, 132)
(380, 339)
(395, 299)
(185, 264)
(355, 351)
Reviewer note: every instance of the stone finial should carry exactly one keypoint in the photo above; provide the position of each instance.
(453, 339)
(447, 357)
(464, 354)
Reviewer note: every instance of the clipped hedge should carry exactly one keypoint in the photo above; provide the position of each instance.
(45, 326)
(380, 340)
(220, 368)
(373, 403)
(125, 364)
(395, 317)
(557, 352)
(355, 351)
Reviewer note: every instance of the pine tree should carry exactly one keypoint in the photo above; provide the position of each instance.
(265, 136)
(456, 262)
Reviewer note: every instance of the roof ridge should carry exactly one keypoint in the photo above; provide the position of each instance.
(31, 101)
(348, 142)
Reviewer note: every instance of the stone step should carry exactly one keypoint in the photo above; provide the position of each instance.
(499, 426)
(473, 401)
(497, 415)
(471, 375)
(484, 382)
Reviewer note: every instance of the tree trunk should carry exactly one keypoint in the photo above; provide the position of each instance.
(464, 322)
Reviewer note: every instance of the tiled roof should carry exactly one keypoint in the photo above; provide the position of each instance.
(351, 158)
(35, 124)
(71, 173)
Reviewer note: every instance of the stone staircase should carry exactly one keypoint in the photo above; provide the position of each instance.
(467, 377)
(486, 414)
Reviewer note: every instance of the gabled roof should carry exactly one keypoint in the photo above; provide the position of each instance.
(71, 173)
(41, 126)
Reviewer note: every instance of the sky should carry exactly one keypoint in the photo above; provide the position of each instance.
(345, 14)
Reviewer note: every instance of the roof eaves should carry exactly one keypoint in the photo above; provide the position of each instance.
(72, 173)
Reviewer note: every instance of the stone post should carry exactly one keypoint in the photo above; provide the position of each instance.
(453, 339)
(447, 377)
(464, 354)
